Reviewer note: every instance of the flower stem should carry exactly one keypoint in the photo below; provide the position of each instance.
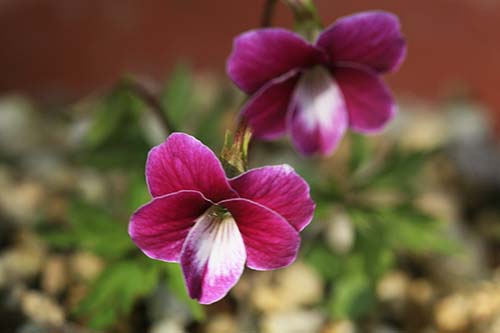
(234, 154)
(152, 101)
(267, 13)
(307, 20)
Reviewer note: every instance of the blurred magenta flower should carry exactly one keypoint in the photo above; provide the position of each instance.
(316, 91)
(212, 225)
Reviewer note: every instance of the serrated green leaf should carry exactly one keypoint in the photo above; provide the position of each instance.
(415, 231)
(97, 231)
(115, 292)
(91, 228)
(353, 293)
(400, 169)
(124, 144)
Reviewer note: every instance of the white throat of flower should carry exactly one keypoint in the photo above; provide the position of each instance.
(317, 95)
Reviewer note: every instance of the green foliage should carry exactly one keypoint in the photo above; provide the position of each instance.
(400, 170)
(353, 292)
(114, 293)
(91, 229)
(360, 153)
(382, 232)
(178, 98)
(129, 276)
(117, 142)
(116, 139)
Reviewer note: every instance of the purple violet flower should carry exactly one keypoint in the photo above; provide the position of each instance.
(316, 91)
(213, 225)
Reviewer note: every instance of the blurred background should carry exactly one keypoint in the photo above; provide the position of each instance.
(406, 237)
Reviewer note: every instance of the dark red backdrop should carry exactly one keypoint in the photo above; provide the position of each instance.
(60, 50)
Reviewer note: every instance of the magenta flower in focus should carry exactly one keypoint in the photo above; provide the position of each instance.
(316, 91)
(212, 225)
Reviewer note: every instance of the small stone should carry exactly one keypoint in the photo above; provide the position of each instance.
(342, 326)
(485, 302)
(280, 292)
(25, 260)
(55, 275)
(425, 130)
(300, 274)
(440, 205)
(91, 185)
(292, 322)
(266, 298)
(452, 313)
(19, 125)
(86, 266)
(222, 323)
(167, 326)
(340, 232)
(420, 291)
(393, 287)
(22, 201)
(41, 308)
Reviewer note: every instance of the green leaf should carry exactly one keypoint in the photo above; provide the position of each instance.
(414, 231)
(116, 290)
(400, 169)
(118, 141)
(323, 260)
(360, 153)
(177, 97)
(91, 229)
(353, 293)
(109, 114)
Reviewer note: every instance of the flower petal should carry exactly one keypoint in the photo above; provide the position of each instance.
(266, 110)
(279, 188)
(270, 241)
(184, 163)
(213, 258)
(318, 117)
(373, 39)
(160, 227)
(261, 55)
(369, 103)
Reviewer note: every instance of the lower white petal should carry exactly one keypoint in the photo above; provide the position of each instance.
(213, 257)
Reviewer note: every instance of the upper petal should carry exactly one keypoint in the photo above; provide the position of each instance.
(373, 39)
(213, 258)
(266, 111)
(160, 227)
(279, 188)
(261, 55)
(184, 163)
(270, 241)
(369, 103)
(318, 117)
